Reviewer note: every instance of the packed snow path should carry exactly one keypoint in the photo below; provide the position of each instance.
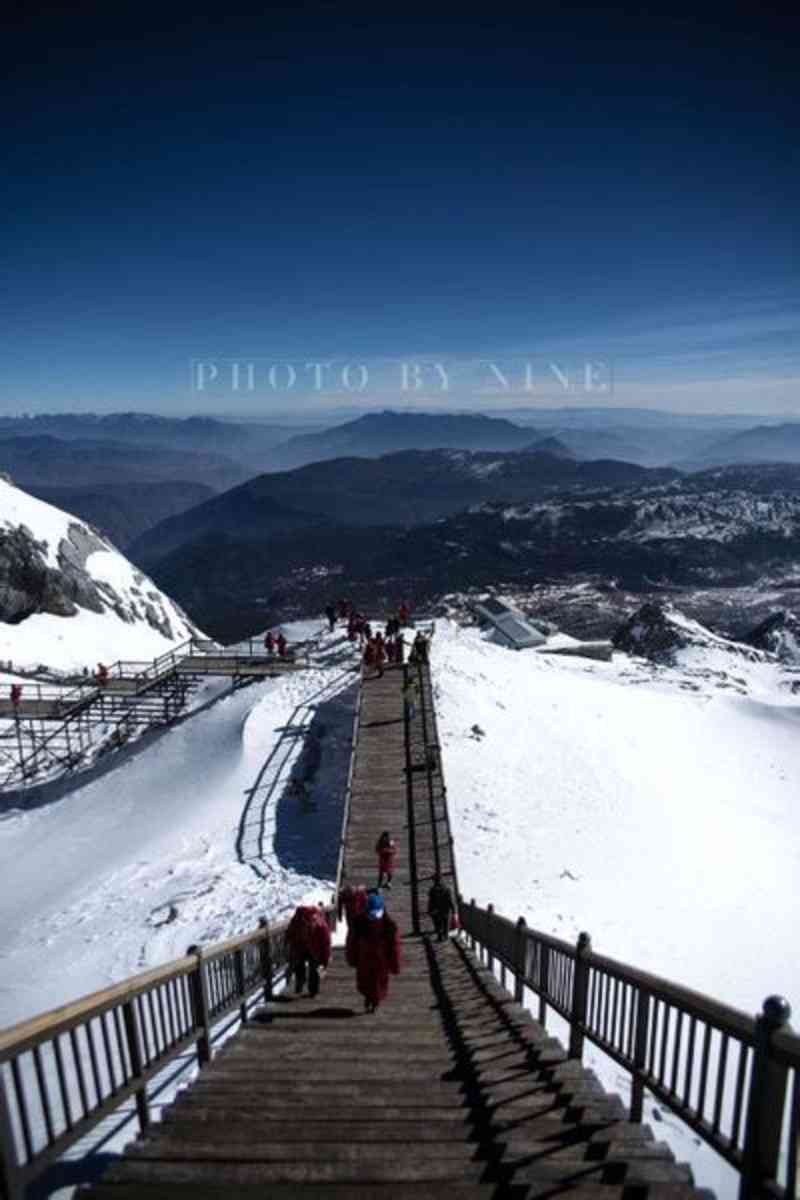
(450, 1088)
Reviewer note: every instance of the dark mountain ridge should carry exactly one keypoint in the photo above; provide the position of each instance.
(666, 535)
(407, 488)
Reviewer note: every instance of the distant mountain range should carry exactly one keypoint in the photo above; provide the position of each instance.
(46, 461)
(241, 441)
(406, 488)
(646, 534)
(765, 443)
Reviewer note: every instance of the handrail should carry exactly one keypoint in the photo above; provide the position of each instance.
(727, 1075)
(348, 789)
(63, 1071)
(433, 761)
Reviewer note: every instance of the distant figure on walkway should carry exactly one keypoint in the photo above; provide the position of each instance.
(411, 697)
(373, 948)
(308, 944)
(352, 902)
(403, 613)
(282, 645)
(330, 613)
(386, 849)
(440, 907)
(101, 675)
(16, 694)
(380, 654)
(419, 649)
(269, 642)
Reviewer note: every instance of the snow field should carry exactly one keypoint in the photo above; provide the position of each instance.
(607, 798)
(189, 842)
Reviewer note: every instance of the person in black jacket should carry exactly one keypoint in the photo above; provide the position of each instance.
(440, 907)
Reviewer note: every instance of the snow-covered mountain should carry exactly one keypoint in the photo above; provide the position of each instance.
(68, 598)
(676, 511)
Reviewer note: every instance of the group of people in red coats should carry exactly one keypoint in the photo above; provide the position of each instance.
(373, 939)
(273, 644)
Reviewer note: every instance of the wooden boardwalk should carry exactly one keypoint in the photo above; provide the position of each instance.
(450, 1090)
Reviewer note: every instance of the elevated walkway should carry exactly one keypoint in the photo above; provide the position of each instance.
(450, 1089)
(51, 729)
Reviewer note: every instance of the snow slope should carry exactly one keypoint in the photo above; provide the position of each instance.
(130, 619)
(650, 806)
(191, 841)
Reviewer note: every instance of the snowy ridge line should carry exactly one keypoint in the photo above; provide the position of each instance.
(115, 1041)
(348, 791)
(748, 1111)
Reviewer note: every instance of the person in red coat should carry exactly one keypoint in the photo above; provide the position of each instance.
(269, 642)
(352, 902)
(308, 947)
(373, 948)
(386, 849)
(282, 645)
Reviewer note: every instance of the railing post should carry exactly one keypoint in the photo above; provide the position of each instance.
(544, 982)
(522, 960)
(580, 991)
(200, 1005)
(238, 961)
(266, 959)
(765, 1103)
(472, 924)
(137, 1062)
(489, 922)
(640, 1054)
(9, 1188)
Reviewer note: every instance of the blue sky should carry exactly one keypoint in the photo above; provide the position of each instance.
(324, 183)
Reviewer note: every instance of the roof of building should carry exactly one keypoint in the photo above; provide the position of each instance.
(514, 629)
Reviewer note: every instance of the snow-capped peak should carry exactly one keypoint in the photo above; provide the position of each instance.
(68, 598)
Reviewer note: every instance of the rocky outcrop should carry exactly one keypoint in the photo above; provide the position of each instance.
(779, 634)
(29, 584)
(660, 632)
(650, 633)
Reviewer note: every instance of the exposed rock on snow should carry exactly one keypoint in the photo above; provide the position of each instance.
(659, 632)
(68, 597)
(778, 634)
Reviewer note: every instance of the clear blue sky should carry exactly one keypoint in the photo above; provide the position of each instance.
(322, 181)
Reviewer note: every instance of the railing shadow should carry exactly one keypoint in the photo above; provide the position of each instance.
(293, 811)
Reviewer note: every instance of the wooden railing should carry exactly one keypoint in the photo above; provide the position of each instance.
(733, 1079)
(63, 1072)
(348, 790)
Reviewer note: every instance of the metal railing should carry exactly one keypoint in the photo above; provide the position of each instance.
(61, 1073)
(732, 1078)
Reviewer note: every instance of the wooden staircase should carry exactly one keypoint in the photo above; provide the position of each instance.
(450, 1090)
